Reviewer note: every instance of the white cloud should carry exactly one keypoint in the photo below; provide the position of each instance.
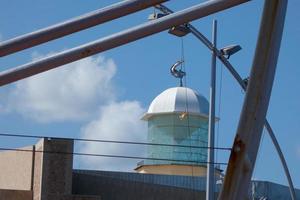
(84, 90)
(71, 92)
(117, 121)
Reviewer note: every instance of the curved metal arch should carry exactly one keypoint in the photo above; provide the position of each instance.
(242, 83)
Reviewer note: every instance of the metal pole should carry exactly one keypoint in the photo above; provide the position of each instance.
(267, 125)
(74, 25)
(210, 179)
(239, 79)
(281, 156)
(247, 140)
(115, 40)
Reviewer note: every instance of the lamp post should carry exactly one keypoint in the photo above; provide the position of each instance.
(210, 180)
(238, 78)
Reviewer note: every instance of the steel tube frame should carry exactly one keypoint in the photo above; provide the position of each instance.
(239, 79)
(248, 136)
(115, 40)
(74, 25)
(210, 180)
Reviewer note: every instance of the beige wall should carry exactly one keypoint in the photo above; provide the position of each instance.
(51, 177)
(184, 170)
(38, 167)
(16, 169)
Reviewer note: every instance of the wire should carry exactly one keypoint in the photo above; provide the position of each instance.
(100, 155)
(183, 67)
(182, 64)
(107, 141)
(182, 53)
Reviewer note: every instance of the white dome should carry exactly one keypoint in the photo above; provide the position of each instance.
(178, 100)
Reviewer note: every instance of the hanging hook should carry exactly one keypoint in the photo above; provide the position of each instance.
(177, 73)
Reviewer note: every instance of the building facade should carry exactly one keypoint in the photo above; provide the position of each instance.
(44, 172)
(174, 170)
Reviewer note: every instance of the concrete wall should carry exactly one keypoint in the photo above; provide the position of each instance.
(53, 171)
(16, 169)
(53, 168)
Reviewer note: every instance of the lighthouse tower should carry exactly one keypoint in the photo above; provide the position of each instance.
(178, 117)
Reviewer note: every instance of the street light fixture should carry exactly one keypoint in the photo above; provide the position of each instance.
(230, 50)
(154, 16)
(179, 31)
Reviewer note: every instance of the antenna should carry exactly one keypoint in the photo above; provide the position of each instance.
(177, 73)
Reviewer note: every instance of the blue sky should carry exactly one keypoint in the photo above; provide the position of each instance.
(123, 81)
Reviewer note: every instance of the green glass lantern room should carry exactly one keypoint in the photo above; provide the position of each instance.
(177, 117)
